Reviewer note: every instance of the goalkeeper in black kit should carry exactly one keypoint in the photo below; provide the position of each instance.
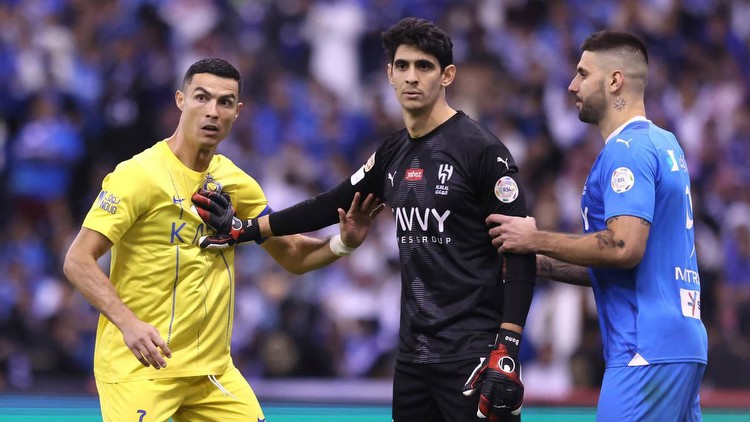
(462, 315)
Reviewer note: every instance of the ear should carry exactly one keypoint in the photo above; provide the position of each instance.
(237, 113)
(179, 99)
(389, 72)
(449, 74)
(616, 80)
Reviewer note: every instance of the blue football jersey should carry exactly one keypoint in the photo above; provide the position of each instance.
(651, 313)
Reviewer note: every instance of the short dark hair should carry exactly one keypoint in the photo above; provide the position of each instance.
(611, 40)
(421, 34)
(213, 66)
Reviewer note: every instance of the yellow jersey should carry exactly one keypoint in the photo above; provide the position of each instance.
(158, 269)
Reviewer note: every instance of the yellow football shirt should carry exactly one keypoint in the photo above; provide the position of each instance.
(158, 269)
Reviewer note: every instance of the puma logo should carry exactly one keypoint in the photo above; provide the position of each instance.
(391, 176)
(505, 161)
(622, 141)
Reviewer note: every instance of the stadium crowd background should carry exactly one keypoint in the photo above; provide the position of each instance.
(85, 84)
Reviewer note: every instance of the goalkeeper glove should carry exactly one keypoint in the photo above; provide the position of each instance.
(216, 210)
(499, 376)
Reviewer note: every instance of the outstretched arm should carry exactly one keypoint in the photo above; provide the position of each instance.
(299, 254)
(84, 273)
(621, 245)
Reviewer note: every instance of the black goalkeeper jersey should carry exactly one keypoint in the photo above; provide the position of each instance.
(441, 187)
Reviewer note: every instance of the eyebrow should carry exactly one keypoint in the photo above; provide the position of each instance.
(205, 91)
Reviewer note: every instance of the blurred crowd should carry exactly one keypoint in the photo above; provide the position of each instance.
(88, 83)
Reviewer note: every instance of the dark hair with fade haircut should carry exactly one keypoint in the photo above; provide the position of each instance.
(612, 40)
(213, 66)
(421, 34)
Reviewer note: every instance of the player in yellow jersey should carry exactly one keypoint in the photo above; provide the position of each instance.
(166, 299)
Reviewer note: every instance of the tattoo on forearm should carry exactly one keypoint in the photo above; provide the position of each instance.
(607, 239)
(553, 269)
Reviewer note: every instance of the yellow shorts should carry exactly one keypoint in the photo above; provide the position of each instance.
(227, 397)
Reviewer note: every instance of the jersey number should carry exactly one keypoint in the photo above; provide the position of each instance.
(689, 211)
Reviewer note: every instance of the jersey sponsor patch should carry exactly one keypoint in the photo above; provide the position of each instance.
(413, 175)
(358, 176)
(370, 163)
(691, 303)
(506, 189)
(622, 180)
(108, 201)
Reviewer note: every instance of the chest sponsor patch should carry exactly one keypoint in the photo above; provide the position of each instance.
(690, 301)
(413, 175)
(622, 180)
(506, 189)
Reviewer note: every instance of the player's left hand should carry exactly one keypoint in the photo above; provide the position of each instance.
(355, 223)
(498, 378)
(512, 234)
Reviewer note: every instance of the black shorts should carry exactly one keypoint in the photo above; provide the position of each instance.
(434, 393)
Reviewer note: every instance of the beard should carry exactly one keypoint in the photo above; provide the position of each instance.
(593, 107)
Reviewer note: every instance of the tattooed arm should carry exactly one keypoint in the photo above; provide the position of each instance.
(552, 269)
(620, 245)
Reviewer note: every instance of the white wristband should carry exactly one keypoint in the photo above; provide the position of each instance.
(337, 246)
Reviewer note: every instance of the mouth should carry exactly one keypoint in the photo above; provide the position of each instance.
(411, 94)
(210, 129)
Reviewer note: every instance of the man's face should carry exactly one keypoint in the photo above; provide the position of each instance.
(587, 88)
(417, 79)
(210, 105)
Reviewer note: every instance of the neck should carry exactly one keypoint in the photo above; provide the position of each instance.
(617, 118)
(421, 123)
(188, 153)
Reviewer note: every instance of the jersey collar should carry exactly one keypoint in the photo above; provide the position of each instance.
(619, 129)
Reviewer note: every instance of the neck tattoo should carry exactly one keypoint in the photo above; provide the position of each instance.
(620, 104)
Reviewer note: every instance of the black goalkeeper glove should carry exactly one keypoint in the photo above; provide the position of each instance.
(216, 210)
(499, 377)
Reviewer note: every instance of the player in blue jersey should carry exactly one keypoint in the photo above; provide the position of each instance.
(638, 242)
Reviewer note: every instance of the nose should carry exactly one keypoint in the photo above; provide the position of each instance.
(573, 86)
(211, 108)
(410, 75)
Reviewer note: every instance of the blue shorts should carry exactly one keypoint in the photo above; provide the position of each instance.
(660, 392)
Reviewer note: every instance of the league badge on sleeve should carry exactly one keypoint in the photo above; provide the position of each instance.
(622, 180)
(506, 189)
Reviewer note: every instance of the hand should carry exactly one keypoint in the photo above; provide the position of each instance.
(355, 223)
(215, 209)
(512, 234)
(145, 343)
(499, 377)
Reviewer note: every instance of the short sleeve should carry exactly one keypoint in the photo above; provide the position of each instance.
(629, 176)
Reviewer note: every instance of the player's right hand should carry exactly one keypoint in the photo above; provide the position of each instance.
(498, 379)
(146, 344)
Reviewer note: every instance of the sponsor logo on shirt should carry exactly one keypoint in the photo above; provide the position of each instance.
(622, 180)
(506, 189)
(674, 163)
(414, 175)
(687, 275)
(691, 303)
(427, 221)
(107, 201)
